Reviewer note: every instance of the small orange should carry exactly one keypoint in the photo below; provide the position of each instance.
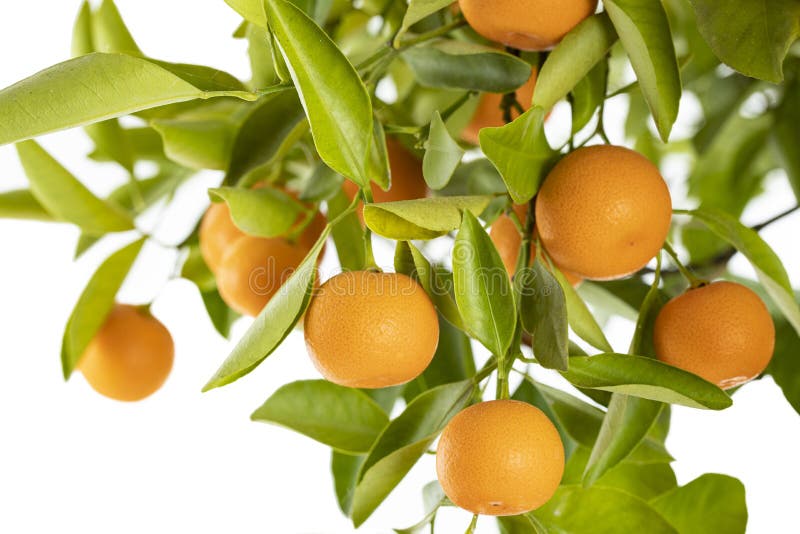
(603, 212)
(722, 332)
(130, 357)
(490, 115)
(507, 241)
(371, 330)
(501, 457)
(253, 270)
(526, 24)
(217, 233)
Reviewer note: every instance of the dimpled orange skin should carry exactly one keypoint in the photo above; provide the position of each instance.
(526, 24)
(722, 332)
(507, 241)
(603, 212)
(253, 270)
(501, 457)
(490, 115)
(130, 357)
(217, 233)
(371, 330)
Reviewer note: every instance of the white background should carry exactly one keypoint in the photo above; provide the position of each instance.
(182, 461)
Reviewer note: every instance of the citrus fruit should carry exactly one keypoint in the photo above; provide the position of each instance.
(603, 212)
(507, 241)
(722, 332)
(253, 269)
(130, 357)
(490, 115)
(500, 457)
(371, 330)
(526, 24)
(217, 233)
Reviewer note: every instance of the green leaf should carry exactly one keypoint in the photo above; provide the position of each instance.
(580, 318)
(251, 10)
(336, 102)
(416, 11)
(520, 152)
(766, 263)
(643, 28)
(344, 468)
(587, 96)
(96, 87)
(109, 33)
(785, 365)
(274, 322)
(348, 234)
(110, 139)
(21, 204)
(482, 288)
(601, 511)
(343, 418)
(646, 378)
(752, 37)
(543, 310)
(95, 303)
(450, 64)
(787, 135)
(442, 155)
(65, 197)
(265, 212)
(425, 218)
(573, 58)
(272, 126)
(222, 317)
(195, 270)
(433, 498)
(410, 261)
(145, 144)
(403, 442)
(82, 31)
(259, 50)
(711, 503)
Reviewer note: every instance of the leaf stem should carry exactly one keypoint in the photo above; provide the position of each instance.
(427, 36)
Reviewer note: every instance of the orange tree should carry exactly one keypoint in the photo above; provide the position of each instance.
(418, 121)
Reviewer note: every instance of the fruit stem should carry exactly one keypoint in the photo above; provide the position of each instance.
(472, 525)
(369, 256)
(693, 280)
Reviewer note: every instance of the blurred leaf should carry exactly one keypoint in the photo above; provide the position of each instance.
(442, 155)
(343, 418)
(274, 323)
(95, 303)
(418, 10)
(433, 498)
(195, 270)
(787, 134)
(348, 234)
(587, 96)
(21, 204)
(751, 37)
(273, 124)
(259, 50)
(403, 442)
(573, 58)
(711, 503)
(766, 263)
(322, 184)
(580, 318)
(96, 87)
(322, 74)
(345, 468)
(482, 288)
(222, 316)
(264, 212)
(82, 42)
(424, 218)
(110, 139)
(644, 31)
(520, 152)
(646, 378)
(543, 310)
(109, 33)
(450, 64)
(785, 364)
(251, 10)
(65, 197)
(145, 144)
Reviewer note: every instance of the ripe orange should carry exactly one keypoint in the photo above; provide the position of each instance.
(526, 24)
(603, 212)
(500, 457)
(489, 114)
(217, 233)
(722, 332)
(253, 270)
(130, 357)
(506, 239)
(371, 330)
(408, 182)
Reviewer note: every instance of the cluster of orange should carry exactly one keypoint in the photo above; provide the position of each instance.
(602, 213)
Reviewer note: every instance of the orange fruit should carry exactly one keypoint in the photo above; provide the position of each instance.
(130, 357)
(526, 24)
(407, 182)
(722, 332)
(489, 115)
(507, 241)
(603, 212)
(501, 457)
(253, 270)
(371, 330)
(217, 233)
